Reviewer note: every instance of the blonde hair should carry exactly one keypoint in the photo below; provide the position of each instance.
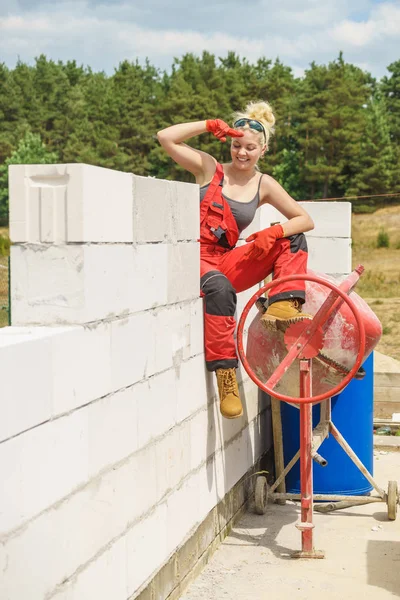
(262, 112)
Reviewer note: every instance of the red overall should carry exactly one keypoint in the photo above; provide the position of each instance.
(225, 270)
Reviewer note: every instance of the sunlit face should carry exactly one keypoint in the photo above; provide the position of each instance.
(246, 150)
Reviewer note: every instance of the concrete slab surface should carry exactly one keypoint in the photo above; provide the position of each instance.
(387, 442)
(362, 553)
(385, 364)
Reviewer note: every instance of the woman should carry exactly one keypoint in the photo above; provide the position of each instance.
(230, 195)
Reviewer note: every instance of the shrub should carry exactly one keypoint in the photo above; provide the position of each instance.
(382, 241)
(363, 208)
(4, 245)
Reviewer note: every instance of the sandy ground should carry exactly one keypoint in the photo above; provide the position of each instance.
(362, 554)
(388, 312)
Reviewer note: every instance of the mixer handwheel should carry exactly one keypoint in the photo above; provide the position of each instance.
(304, 339)
(261, 495)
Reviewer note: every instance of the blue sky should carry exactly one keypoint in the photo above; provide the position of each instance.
(101, 33)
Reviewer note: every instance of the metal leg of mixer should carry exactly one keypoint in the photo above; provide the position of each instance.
(350, 452)
(306, 524)
(278, 446)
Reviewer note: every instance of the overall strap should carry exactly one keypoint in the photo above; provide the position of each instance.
(212, 189)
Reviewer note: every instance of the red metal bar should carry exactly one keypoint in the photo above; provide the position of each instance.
(346, 286)
(306, 474)
(285, 364)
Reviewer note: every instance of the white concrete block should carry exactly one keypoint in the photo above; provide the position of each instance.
(107, 206)
(40, 467)
(242, 300)
(136, 486)
(227, 429)
(46, 281)
(149, 342)
(171, 326)
(80, 284)
(67, 537)
(165, 211)
(112, 429)
(260, 435)
(182, 513)
(152, 209)
(191, 387)
(217, 431)
(69, 284)
(329, 255)
(251, 396)
(26, 379)
(70, 203)
(46, 371)
(81, 366)
(268, 215)
(183, 272)
(331, 219)
(157, 407)
(148, 282)
(73, 532)
(104, 578)
(132, 349)
(173, 461)
(196, 327)
(186, 211)
(238, 456)
(146, 547)
(203, 437)
(209, 431)
(210, 483)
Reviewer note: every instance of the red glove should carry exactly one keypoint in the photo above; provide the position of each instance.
(263, 241)
(221, 129)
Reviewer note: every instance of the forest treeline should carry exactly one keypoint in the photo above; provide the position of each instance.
(337, 129)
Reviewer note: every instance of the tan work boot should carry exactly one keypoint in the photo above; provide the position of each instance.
(230, 404)
(282, 313)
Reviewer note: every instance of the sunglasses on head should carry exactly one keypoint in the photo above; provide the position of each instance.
(252, 123)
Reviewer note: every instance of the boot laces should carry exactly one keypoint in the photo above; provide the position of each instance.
(296, 304)
(229, 381)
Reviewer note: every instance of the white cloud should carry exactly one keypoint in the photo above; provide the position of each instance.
(384, 22)
(23, 25)
(102, 34)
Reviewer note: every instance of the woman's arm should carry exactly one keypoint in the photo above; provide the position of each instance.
(201, 164)
(273, 193)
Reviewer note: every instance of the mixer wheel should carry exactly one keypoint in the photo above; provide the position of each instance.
(392, 500)
(261, 495)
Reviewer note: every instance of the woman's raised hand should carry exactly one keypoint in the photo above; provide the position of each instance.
(220, 129)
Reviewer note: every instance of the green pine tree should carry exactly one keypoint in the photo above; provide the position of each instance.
(390, 89)
(376, 153)
(30, 151)
(331, 125)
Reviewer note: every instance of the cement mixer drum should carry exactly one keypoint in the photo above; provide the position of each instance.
(337, 346)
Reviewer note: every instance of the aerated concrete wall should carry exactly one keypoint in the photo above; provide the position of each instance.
(112, 449)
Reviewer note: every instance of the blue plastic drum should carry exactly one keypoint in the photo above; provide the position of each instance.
(352, 414)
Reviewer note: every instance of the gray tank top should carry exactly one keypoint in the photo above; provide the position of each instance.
(243, 212)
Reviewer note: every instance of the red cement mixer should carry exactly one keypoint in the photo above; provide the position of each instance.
(306, 363)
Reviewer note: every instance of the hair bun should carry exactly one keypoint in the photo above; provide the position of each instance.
(262, 111)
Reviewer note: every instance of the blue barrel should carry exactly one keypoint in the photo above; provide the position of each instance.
(352, 414)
